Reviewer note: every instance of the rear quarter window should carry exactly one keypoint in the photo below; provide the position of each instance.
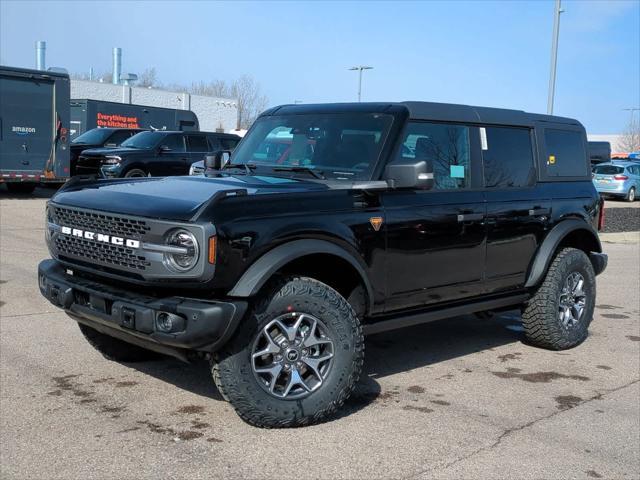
(566, 155)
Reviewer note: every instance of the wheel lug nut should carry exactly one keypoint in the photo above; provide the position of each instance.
(305, 351)
(299, 364)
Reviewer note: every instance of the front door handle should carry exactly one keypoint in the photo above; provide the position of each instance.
(470, 217)
(534, 212)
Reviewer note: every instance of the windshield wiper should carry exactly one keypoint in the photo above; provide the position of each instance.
(248, 167)
(314, 173)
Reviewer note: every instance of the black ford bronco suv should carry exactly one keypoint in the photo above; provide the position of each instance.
(373, 217)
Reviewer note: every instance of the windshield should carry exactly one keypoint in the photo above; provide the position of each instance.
(340, 146)
(96, 136)
(143, 140)
(607, 170)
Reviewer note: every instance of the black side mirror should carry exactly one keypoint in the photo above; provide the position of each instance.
(164, 149)
(410, 174)
(217, 160)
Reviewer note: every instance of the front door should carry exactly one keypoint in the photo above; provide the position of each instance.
(436, 238)
(175, 160)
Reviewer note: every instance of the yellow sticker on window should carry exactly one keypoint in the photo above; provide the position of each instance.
(552, 159)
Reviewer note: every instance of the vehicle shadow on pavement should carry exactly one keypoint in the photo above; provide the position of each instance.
(386, 354)
(45, 192)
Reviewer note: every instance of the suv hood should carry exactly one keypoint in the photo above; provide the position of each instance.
(174, 198)
(99, 152)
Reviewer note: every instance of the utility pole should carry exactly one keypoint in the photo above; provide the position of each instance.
(360, 68)
(554, 55)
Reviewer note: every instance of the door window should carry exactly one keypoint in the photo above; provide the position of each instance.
(197, 143)
(118, 137)
(447, 146)
(229, 143)
(174, 142)
(566, 156)
(507, 156)
(214, 144)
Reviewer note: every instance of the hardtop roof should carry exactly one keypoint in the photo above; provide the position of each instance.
(429, 111)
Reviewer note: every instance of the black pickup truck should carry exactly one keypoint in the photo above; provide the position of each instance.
(330, 222)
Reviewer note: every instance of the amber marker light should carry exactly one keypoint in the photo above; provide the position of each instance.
(212, 250)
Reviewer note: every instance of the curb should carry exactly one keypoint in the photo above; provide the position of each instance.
(620, 237)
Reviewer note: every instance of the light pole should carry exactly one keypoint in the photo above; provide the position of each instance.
(554, 55)
(360, 68)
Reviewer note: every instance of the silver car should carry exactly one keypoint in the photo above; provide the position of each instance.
(617, 179)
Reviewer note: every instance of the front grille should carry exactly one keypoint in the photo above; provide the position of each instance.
(119, 256)
(101, 223)
(105, 253)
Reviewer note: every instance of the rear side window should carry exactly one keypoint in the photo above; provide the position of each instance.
(447, 146)
(118, 137)
(566, 156)
(197, 143)
(507, 156)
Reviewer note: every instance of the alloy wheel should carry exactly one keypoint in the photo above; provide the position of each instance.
(572, 301)
(292, 355)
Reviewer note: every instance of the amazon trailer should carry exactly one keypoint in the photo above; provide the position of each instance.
(34, 127)
(87, 114)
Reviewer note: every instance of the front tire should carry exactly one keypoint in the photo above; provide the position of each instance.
(558, 316)
(296, 357)
(135, 173)
(115, 349)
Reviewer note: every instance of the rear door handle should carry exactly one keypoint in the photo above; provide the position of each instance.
(470, 217)
(534, 212)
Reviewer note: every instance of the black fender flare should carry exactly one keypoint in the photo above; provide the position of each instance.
(550, 244)
(264, 267)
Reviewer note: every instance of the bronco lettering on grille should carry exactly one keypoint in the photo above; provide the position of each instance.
(100, 237)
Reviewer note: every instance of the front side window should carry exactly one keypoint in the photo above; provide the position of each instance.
(447, 146)
(507, 156)
(174, 142)
(340, 146)
(566, 156)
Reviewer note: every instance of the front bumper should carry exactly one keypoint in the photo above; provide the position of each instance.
(202, 325)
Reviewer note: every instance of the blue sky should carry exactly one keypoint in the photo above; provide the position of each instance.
(491, 53)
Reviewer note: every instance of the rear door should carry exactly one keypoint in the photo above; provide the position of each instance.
(436, 238)
(27, 128)
(198, 147)
(518, 210)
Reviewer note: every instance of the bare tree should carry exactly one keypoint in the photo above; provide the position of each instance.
(215, 88)
(630, 138)
(247, 92)
(251, 101)
(148, 78)
(102, 77)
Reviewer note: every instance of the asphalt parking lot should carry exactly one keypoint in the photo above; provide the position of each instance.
(461, 398)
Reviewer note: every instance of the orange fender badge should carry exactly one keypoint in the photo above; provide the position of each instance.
(376, 223)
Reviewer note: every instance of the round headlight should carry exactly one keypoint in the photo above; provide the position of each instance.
(186, 255)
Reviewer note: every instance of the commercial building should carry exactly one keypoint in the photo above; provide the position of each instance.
(214, 114)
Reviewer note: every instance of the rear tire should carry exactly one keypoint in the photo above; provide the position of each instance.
(558, 316)
(296, 357)
(631, 195)
(135, 173)
(21, 187)
(115, 349)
